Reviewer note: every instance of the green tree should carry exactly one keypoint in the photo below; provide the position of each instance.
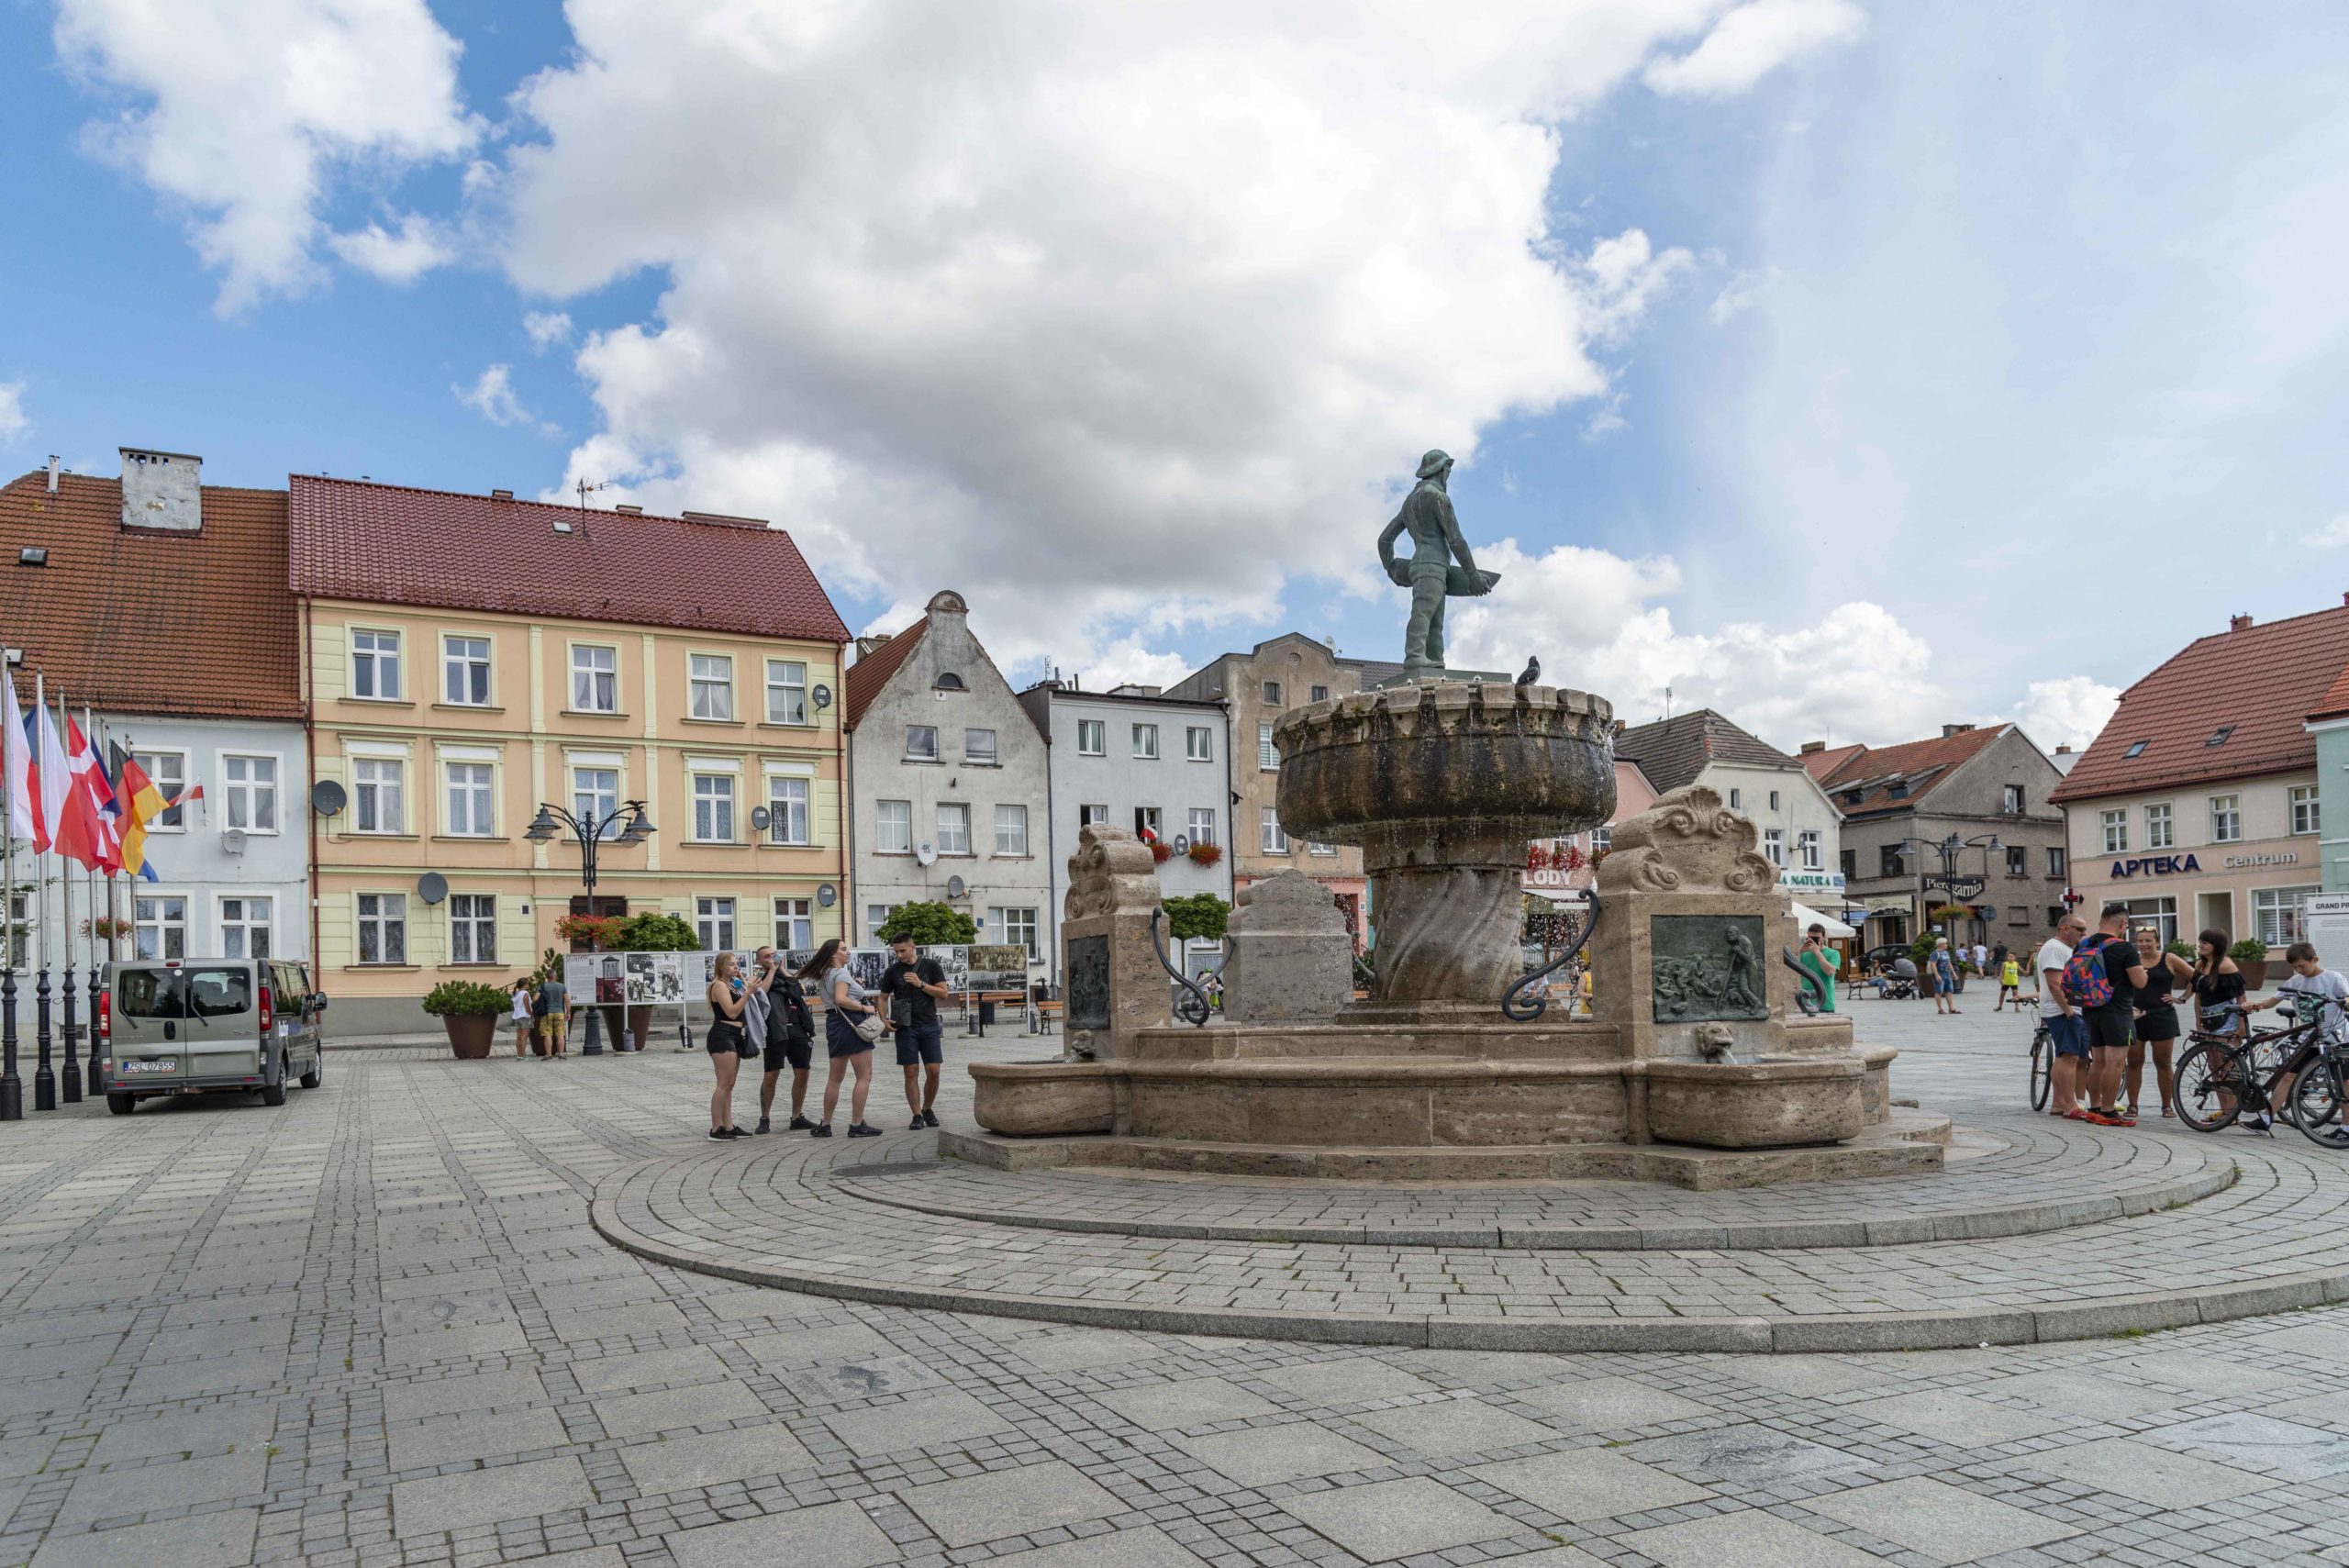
(930, 925)
(653, 932)
(1196, 917)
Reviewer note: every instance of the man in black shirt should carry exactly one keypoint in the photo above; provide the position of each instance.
(2110, 1024)
(914, 985)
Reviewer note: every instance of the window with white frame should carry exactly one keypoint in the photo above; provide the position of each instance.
(2226, 819)
(795, 924)
(249, 788)
(1201, 827)
(1199, 743)
(978, 746)
(1088, 815)
(377, 785)
(382, 928)
(2304, 810)
(2161, 832)
(710, 677)
(1146, 822)
(953, 828)
(1311, 847)
(1146, 740)
(244, 926)
(168, 772)
(159, 925)
(875, 917)
(473, 927)
(595, 797)
(1092, 736)
(2011, 800)
(1015, 925)
(1010, 829)
(892, 826)
(1812, 850)
(1774, 845)
(1272, 841)
(595, 679)
(714, 809)
(465, 671)
(469, 797)
(713, 924)
(787, 810)
(786, 691)
(1602, 839)
(1268, 756)
(2115, 831)
(376, 665)
(2279, 914)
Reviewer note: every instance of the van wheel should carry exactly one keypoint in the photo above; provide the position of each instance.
(315, 1075)
(272, 1094)
(120, 1104)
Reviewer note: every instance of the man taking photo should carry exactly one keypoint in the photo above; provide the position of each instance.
(914, 985)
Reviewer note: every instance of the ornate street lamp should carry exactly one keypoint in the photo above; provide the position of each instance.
(548, 826)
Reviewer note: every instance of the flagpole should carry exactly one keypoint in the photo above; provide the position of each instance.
(71, 1077)
(12, 1088)
(44, 1077)
(90, 886)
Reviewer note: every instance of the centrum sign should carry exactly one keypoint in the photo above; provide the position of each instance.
(2155, 865)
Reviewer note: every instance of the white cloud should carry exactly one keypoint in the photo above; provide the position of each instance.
(1743, 291)
(1087, 311)
(492, 396)
(2067, 711)
(400, 257)
(547, 328)
(241, 111)
(2332, 534)
(14, 421)
(1753, 41)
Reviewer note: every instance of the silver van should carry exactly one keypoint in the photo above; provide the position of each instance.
(209, 1025)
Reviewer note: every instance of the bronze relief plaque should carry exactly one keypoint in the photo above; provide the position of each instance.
(1706, 967)
(1088, 983)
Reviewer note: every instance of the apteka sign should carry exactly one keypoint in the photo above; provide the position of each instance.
(2155, 865)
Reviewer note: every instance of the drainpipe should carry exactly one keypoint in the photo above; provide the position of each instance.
(847, 759)
(310, 766)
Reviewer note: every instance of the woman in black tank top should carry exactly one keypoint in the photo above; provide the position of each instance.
(2156, 1020)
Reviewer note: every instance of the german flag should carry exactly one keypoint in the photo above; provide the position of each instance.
(141, 803)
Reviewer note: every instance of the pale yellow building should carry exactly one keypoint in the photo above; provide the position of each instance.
(470, 657)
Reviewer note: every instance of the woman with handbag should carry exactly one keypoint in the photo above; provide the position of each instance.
(852, 1026)
(729, 1042)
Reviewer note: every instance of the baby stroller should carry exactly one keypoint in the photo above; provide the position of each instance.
(1898, 983)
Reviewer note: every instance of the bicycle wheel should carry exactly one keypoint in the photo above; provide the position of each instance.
(2042, 1069)
(2316, 1100)
(2210, 1087)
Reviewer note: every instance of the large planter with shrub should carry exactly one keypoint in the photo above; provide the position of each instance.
(470, 1011)
(2251, 957)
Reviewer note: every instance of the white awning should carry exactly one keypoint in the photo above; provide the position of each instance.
(1805, 918)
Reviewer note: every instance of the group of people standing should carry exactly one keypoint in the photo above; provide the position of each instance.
(770, 1014)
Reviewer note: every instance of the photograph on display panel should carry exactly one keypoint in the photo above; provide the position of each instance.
(643, 981)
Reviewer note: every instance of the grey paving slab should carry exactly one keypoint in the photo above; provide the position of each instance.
(739, 1453)
(221, 1540)
(1747, 1454)
(2148, 1473)
(702, 1404)
(215, 1429)
(1357, 1379)
(2104, 1398)
(443, 1503)
(1951, 1417)
(1082, 1349)
(1589, 1484)
(1195, 1402)
(990, 1506)
(449, 1439)
(1944, 1523)
(1749, 1539)
(1809, 1376)
(1388, 1519)
(648, 1369)
(836, 1535)
(816, 1346)
(851, 1382)
(471, 1391)
(127, 1492)
(1265, 1456)
(1145, 1548)
(1612, 1404)
(930, 1420)
(25, 1456)
(1453, 1427)
(2260, 1443)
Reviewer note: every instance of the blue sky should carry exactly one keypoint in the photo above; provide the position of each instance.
(1851, 368)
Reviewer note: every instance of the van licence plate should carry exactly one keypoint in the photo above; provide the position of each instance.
(161, 1064)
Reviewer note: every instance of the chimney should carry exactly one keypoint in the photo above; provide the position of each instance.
(632, 510)
(1950, 729)
(1810, 746)
(2065, 750)
(501, 495)
(162, 490)
(866, 645)
(2239, 622)
(52, 474)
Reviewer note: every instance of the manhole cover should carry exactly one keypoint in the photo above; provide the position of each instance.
(894, 1168)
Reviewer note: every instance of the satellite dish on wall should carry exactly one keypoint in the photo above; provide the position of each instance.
(823, 695)
(955, 888)
(1182, 844)
(926, 853)
(432, 887)
(827, 895)
(760, 818)
(232, 840)
(327, 797)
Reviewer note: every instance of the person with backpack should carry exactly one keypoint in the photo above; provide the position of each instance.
(555, 1011)
(2102, 981)
(2065, 1027)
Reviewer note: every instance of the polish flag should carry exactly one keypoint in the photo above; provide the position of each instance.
(52, 775)
(17, 761)
(81, 832)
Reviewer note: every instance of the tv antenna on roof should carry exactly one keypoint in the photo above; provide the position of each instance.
(585, 489)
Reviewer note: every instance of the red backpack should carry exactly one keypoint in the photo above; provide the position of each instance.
(2085, 980)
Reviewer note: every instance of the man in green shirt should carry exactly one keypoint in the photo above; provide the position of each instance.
(1817, 958)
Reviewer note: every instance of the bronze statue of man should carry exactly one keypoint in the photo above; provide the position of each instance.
(1430, 575)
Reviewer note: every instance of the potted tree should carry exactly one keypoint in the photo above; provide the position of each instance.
(648, 932)
(468, 1011)
(2251, 957)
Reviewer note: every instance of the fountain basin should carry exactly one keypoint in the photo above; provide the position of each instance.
(1772, 1104)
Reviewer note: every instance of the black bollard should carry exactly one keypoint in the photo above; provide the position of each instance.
(72, 1074)
(12, 1088)
(595, 1046)
(98, 1045)
(44, 1078)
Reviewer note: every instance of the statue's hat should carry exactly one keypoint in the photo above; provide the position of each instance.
(1435, 463)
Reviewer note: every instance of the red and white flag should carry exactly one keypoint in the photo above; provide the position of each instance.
(86, 833)
(17, 761)
(52, 774)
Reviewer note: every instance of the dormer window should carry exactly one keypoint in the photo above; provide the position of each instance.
(2218, 736)
(2136, 749)
(1898, 789)
(948, 681)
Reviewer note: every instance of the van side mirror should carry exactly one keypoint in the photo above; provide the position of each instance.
(318, 1002)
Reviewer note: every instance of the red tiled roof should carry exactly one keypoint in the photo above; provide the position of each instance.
(392, 544)
(1822, 763)
(1917, 766)
(2335, 701)
(869, 673)
(2262, 680)
(1673, 752)
(145, 620)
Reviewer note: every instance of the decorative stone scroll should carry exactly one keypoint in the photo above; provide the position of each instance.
(1292, 958)
(1114, 984)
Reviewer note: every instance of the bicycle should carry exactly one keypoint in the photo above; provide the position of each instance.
(2242, 1074)
(2043, 1064)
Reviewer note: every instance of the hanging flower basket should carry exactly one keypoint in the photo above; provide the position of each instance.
(1160, 852)
(104, 928)
(1206, 854)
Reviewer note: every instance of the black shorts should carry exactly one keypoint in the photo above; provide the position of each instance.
(2158, 1024)
(917, 1043)
(794, 1053)
(725, 1037)
(841, 1038)
(2107, 1027)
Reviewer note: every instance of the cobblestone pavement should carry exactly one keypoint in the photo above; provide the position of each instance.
(376, 1327)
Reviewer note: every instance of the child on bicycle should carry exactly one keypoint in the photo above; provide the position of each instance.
(2315, 993)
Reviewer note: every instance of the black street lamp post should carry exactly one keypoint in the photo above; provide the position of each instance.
(1949, 849)
(589, 830)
